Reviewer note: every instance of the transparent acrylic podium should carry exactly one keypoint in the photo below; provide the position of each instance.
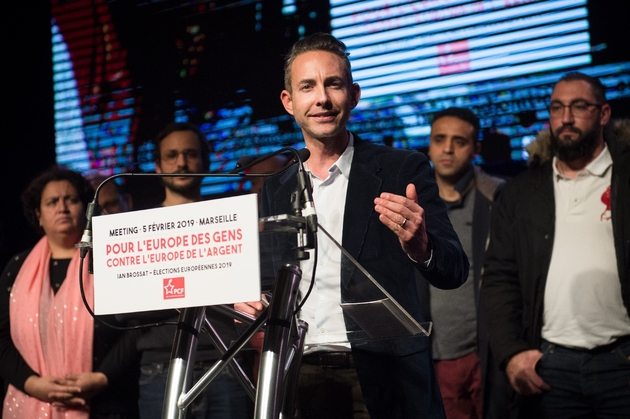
(370, 313)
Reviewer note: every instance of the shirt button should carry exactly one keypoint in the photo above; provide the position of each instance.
(322, 330)
(322, 298)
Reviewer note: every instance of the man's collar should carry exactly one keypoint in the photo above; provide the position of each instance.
(601, 163)
(344, 162)
(463, 184)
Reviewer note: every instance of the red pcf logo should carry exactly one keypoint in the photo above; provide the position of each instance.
(174, 288)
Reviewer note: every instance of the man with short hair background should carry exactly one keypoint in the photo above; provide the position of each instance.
(556, 283)
(470, 383)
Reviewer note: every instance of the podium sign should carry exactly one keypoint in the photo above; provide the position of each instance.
(191, 255)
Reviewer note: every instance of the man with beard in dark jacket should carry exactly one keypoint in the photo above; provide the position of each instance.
(557, 280)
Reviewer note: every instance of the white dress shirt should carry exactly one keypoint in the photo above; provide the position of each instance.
(322, 311)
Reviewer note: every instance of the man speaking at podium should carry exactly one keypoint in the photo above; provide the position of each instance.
(383, 205)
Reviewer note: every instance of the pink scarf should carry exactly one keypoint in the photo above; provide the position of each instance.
(53, 332)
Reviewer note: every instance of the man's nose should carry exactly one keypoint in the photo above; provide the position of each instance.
(181, 159)
(448, 145)
(323, 98)
(567, 115)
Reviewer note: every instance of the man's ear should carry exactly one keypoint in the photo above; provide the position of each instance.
(477, 147)
(287, 101)
(158, 169)
(605, 114)
(356, 95)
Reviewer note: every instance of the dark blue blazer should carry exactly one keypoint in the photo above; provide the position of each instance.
(396, 375)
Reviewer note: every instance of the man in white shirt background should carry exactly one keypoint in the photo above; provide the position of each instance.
(556, 282)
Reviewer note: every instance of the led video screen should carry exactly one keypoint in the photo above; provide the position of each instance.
(124, 69)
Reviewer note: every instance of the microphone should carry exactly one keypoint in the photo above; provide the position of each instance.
(85, 244)
(299, 157)
(303, 203)
(243, 161)
(86, 238)
(302, 197)
(303, 154)
(304, 186)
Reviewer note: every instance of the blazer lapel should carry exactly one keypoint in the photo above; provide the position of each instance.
(363, 187)
(359, 217)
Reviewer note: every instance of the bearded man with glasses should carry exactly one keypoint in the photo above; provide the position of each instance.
(576, 118)
(556, 282)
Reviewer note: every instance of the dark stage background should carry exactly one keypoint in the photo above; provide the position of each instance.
(219, 65)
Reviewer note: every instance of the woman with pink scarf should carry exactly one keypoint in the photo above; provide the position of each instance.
(57, 362)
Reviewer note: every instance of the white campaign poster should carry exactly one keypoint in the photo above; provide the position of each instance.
(198, 254)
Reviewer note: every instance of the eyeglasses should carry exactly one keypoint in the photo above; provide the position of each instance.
(579, 108)
(171, 156)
